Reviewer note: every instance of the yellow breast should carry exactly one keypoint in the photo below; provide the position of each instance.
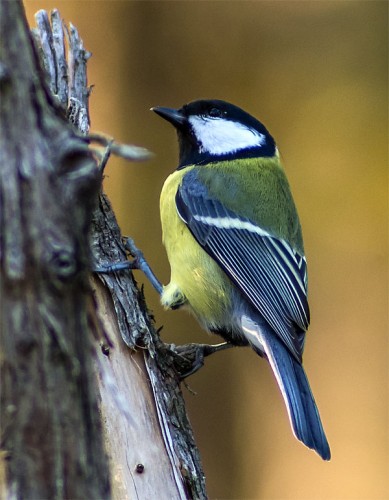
(195, 277)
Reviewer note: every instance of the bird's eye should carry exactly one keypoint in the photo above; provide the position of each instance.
(215, 113)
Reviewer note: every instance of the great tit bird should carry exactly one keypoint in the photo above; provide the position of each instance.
(234, 242)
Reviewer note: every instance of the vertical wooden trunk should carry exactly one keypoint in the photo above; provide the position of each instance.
(52, 322)
(51, 431)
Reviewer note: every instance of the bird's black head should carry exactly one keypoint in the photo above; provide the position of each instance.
(214, 130)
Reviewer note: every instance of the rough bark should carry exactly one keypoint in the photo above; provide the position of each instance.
(142, 404)
(51, 343)
(51, 430)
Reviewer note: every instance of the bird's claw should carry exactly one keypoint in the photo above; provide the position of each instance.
(138, 262)
(189, 358)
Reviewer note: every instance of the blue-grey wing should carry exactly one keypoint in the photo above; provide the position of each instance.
(267, 270)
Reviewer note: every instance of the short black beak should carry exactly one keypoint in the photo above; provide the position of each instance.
(174, 116)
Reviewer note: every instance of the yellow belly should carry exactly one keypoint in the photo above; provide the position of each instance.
(195, 277)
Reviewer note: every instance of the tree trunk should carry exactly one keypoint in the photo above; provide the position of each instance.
(52, 434)
(83, 369)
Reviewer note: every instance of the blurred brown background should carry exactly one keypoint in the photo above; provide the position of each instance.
(316, 74)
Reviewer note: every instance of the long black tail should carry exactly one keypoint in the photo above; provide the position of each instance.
(292, 380)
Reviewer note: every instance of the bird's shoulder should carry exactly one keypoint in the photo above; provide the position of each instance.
(253, 188)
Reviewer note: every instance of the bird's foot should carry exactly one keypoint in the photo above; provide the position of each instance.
(189, 358)
(138, 262)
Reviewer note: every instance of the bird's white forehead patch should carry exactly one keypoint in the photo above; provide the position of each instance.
(218, 136)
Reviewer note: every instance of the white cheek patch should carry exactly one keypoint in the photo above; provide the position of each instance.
(218, 136)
